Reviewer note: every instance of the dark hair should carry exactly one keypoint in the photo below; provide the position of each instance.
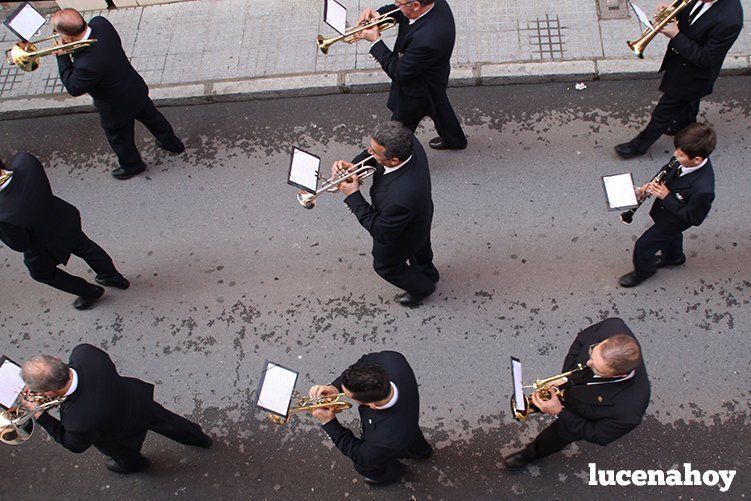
(68, 22)
(396, 138)
(367, 382)
(621, 352)
(696, 140)
(45, 373)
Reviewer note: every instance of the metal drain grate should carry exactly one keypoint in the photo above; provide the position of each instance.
(9, 76)
(546, 37)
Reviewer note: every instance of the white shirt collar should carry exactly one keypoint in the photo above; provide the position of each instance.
(393, 400)
(624, 378)
(87, 34)
(704, 6)
(389, 170)
(689, 170)
(74, 384)
(413, 21)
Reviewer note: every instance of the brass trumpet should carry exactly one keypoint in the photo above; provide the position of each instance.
(17, 423)
(661, 19)
(303, 404)
(383, 22)
(308, 200)
(545, 389)
(26, 55)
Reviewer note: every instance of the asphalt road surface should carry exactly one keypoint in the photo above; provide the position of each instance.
(228, 271)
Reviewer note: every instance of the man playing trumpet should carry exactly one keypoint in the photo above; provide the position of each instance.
(385, 388)
(400, 214)
(603, 403)
(419, 66)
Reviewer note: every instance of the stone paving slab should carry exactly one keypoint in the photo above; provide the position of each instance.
(256, 48)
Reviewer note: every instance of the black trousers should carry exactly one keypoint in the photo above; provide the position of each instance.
(121, 134)
(127, 451)
(394, 470)
(43, 266)
(418, 277)
(670, 113)
(668, 243)
(412, 110)
(548, 442)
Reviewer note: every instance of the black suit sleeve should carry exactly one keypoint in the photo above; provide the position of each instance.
(694, 212)
(76, 442)
(413, 63)
(385, 227)
(359, 451)
(711, 54)
(14, 237)
(602, 431)
(77, 80)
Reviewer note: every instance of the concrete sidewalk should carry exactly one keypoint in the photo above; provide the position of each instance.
(211, 50)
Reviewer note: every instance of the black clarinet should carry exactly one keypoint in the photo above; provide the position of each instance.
(659, 178)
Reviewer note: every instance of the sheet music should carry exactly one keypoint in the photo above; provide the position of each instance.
(336, 16)
(641, 16)
(27, 22)
(11, 383)
(277, 388)
(619, 190)
(304, 169)
(516, 372)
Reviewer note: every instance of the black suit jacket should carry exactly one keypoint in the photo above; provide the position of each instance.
(694, 57)
(420, 63)
(105, 407)
(31, 217)
(104, 72)
(401, 213)
(386, 434)
(601, 413)
(688, 202)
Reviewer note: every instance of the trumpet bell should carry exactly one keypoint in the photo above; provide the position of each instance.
(20, 55)
(324, 43)
(11, 434)
(307, 200)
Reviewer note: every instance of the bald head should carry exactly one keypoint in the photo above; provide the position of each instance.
(68, 22)
(44, 373)
(621, 352)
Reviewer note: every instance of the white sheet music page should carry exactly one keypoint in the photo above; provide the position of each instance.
(304, 169)
(276, 392)
(27, 22)
(336, 16)
(519, 401)
(641, 16)
(619, 190)
(11, 383)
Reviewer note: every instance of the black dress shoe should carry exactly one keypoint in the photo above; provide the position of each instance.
(663, 264)
(627, 150)
(113, 465)
(409, 300)
(205, 443)
(117, 281)
(437, 143)
(87, 301)
(519, 459)
(176, 149)
(123, 173)
(633, 279)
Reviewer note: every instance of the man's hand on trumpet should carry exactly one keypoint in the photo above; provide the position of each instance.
(324, 414)
(349, 185)
(552, 407)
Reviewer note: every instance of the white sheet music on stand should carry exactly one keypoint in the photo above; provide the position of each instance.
(26, 22)
(619, 191)
(516, 375)
(641, 16)
(11, 383)
(335, 15)
(303, 170)
(277, 386)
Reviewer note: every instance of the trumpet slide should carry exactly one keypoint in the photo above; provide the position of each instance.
(331, 185)
(303, 404)
(382, 22)
(545, 389)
